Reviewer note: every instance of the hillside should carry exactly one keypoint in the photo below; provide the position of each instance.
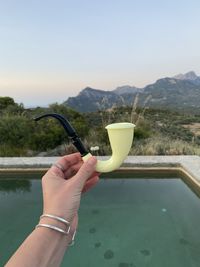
(181, 92)
(157, 131)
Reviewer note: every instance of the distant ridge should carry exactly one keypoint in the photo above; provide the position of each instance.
(178, 92)
(191, 76)
(90, 99)
(126, 89)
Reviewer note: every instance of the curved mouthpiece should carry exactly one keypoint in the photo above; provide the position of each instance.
(120, 136)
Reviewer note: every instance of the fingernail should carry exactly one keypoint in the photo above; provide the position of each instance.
(92, 161)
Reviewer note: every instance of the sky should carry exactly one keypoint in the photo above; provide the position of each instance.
(51, 50)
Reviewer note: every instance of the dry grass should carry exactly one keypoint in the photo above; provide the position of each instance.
(157, 145)
(193, 127)
(160, 145)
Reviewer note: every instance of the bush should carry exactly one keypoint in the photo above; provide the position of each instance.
(15, 131)
(142, 130)
(19, 133)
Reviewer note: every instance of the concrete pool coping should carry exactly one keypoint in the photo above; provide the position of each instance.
(188, 165)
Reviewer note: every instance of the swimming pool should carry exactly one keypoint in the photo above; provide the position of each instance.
(123, 222)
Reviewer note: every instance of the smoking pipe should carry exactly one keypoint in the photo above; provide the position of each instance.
(120, 137)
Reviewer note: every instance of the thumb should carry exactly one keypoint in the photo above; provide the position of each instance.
(85, 172)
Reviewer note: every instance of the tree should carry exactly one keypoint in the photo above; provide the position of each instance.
(6, 101)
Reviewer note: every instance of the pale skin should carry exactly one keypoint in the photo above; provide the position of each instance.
(61, 197)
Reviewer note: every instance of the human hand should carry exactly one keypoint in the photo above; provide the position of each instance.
(62, 189)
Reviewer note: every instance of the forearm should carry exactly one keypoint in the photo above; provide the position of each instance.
(45, 247)
(42, 248)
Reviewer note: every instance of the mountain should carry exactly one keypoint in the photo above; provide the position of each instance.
(179, 92)
(190, 76)
(172, 93)
(126, 89)
(90, 99)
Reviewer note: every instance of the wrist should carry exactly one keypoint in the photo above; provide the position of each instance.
(46, 220)
(69, 237)
(57, 213)
(62, 223)
(58, 224)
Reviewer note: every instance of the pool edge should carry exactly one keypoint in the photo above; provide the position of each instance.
(188, 166)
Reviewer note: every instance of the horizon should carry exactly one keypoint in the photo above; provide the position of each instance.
(50, 50)
(47, 104)
(101, 89)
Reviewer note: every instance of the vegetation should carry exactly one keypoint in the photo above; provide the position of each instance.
(157, 132)
(22, 136)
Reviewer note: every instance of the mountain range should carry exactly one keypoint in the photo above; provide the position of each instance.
(179, 92)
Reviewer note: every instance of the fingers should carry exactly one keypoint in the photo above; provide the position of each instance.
(85, 172)
(72, 170)
(71, 159)
(90, 183)
(65, 163)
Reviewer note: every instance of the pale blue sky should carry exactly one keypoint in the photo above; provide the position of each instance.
(50, 50)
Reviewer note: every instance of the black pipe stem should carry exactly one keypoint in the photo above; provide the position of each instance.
(76, 141)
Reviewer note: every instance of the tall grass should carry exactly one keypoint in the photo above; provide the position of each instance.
(10, 151)
(161, 145)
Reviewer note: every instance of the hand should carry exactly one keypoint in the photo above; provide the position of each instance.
(62, 189)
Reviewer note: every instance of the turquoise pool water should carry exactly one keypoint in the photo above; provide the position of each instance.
(123, 222)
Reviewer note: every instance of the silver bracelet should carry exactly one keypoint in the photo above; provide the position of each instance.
(54, 228)
(72, 241)
(60, 219)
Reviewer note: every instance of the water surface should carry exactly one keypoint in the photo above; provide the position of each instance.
(123, 222)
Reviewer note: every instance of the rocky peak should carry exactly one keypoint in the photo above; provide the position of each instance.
(126, 89)
(191, 75)
(89, 92)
